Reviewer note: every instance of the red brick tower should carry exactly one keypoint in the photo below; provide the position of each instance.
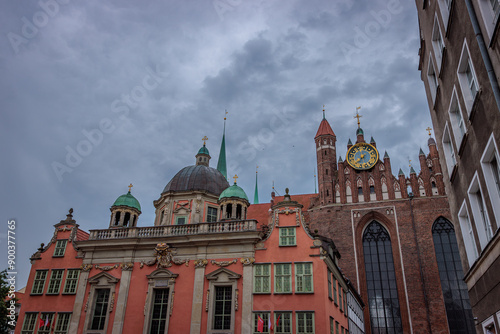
(326, 158)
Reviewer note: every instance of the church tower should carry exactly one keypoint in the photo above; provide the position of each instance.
(326, 159)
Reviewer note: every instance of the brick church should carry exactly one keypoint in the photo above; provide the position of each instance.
(370, 253)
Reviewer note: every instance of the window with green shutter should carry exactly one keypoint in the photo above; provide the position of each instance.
(39, 282)
(55, 281)
(282, 322)
(262, 278)
(60, 248)
(305, 322)
(282, 278)
(62, 323)
(287, 236)
(71, 281)
(303, 277)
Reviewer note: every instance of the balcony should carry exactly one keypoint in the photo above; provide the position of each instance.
(175, 230)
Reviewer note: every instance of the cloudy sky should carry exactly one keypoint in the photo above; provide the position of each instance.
(97, 95)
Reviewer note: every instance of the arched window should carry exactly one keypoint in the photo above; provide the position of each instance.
(117, 218)
(383, 301)
(126, 220)
(456, 297)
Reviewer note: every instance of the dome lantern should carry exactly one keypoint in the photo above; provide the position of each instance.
(234, 203)
(125, 211)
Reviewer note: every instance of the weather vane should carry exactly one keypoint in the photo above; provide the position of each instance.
(204, 140)
(429, 129)
(358, 116)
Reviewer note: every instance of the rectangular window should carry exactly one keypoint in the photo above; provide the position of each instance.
(305, 322)
(282, 278)
(211, 214)
(39, 282)
(329, 278)
(456, 119)
(29, 323)
(60, 248)
(335, 300)
(471, 79)
(341, 330)
(45, 327)
(62, 323)
(264, 319)
(222, 311)
(283, 322)
(71, 281)
(337, 327)
(287, 236)
(491, 171)
(100, 309)
(481, 219)
(262, 278)
(432, 79)
(468, 234)
(340, 299)
(303, 277)
(159, 310)
(437, 43)
(332, 328)
(181, 220)
(55, 281)
(467, 78)
(449, 151)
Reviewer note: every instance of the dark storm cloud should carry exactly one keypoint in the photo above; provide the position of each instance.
(143, 83)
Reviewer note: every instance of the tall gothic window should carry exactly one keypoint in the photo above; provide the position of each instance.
(456, 297)
(383, 301)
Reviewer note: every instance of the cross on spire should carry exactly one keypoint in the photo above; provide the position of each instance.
(130, 187)
(358, 116)
(204, 140)
(324, 112)
(429, 129)
(235, 177)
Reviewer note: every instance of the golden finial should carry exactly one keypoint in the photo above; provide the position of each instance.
(225, 114)
(204, 140)
(257, 170)
(130, 187)
(429, 129)
(235, 177)
(409, 162)
(358, 116)
(323, 111)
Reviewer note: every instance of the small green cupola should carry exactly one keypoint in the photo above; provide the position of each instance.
(125, 211)
(234, 202)
(203, 156)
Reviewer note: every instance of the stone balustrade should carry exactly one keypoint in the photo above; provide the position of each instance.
(174, 230)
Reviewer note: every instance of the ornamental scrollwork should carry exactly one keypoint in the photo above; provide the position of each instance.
(207, 303)
(236, 300)
(247, 261)
(200, 263)
(223, 263)
(112, 302)
(164, 255)
(127, 266)
(181, 262)
(86, 267)
(106, 268)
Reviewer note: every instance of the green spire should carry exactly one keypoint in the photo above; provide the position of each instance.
(340, 159)
(256, 194)
(372, 141)
(349, 142)
(386, 155)
(412, 171)
(421, 152)
(401, 172)
(221, 164)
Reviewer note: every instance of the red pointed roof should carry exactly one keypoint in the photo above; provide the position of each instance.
(324, 129)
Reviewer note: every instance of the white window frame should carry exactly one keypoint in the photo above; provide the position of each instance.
(432, 78)
(159, 279)
(479, 211)
(465, 85)
(467, 234)
(457, 119)
(437, 43)
(492, 177)
(449, 151)
(444, 8)
(487, 323)
(490, 15)
(102, 280)
(221, 277)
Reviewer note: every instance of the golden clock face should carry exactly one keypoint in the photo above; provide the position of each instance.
(362, 156)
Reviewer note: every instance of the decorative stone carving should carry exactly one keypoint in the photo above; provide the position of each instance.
(163, 255)
(317, 242)
(236, 299)
(172, 303)
(247, 261)
(87, 303)
(86, 267)
(200, 263)
(112, 302)
(180, 262)
(127, 266)
(106, 268)
(223, 263)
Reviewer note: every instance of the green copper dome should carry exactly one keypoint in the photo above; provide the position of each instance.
(203, 150)
(359, 131)
(128, 200)
(233, 191)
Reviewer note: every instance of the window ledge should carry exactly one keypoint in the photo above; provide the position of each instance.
(462, 144)
(52, 294)
(262, 293)
(57, 255)
(36, 294)
(288, 245)
(475, 103)
(283, 293)
(443, 62)
(453, 173)
(304, 292)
